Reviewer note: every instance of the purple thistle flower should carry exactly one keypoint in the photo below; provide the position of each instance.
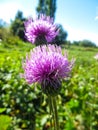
(41, 29)
(47, 66)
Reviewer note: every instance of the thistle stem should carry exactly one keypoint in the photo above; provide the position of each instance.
(53, 112)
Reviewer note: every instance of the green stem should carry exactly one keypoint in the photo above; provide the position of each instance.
(53, 112)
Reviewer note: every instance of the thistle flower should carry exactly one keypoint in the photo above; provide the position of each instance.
(47, 66)
(96, 56)
(40, 30)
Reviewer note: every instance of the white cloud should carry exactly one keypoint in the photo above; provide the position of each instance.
(76, 35)
(96, 18)
(8, 10)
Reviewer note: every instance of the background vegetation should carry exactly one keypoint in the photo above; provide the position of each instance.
(25, 107)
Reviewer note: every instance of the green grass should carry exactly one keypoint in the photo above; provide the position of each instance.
(27, 106)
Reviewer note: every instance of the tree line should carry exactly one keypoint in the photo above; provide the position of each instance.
(16, 28)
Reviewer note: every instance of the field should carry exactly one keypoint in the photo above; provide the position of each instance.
(25, 107)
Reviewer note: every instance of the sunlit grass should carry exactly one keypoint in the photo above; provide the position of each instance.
(77, 102)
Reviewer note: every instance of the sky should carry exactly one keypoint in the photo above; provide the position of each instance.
(78, 17)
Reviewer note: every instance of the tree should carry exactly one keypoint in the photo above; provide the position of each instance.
(47, 7)
(52, 8)
(2, 23)
(87, 43)
(3, 29)
(60, 39)
(76, 43)
(17, 26)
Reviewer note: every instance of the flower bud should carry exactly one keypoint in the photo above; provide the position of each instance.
(51, 88)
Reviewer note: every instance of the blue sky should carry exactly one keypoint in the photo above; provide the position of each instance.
(78, 17)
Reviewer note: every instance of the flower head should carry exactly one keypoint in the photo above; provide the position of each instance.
(40, 29)
(96, 56)
(47, 66)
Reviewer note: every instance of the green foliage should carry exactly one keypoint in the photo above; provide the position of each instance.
(51, 8)
(12, 40)
(7, 38)
(87, 43)
(17, 26)
(4, 33)
(47, 7)
(2, 110)
(84, 43)
(25, 107)
(5, 120)
(61, 37)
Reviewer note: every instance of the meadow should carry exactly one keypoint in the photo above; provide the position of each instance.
(25, 107)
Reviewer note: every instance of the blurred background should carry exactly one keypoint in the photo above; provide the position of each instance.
(78, 19)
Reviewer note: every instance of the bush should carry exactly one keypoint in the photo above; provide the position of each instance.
(87, 43)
